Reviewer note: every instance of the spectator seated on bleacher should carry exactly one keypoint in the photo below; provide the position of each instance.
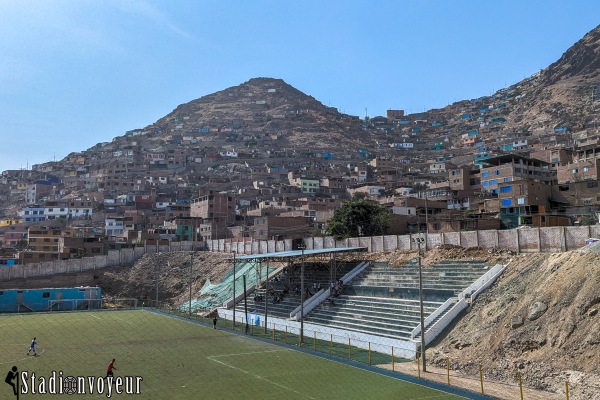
(277, 298)
(258, 298)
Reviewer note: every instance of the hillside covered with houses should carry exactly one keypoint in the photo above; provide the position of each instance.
(263, 160)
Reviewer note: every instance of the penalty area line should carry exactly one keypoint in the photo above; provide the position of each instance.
(262, 378)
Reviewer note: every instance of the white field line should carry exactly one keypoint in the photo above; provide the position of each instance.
(24, 358)
(214, 358)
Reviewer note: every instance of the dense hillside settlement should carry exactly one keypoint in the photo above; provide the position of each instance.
(264, 161)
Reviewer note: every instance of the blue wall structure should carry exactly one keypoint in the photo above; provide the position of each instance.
(50, 299)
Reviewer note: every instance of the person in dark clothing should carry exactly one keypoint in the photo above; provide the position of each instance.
(215, 322)
(109, 369)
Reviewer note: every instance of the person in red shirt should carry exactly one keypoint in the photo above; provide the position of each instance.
(109, 369)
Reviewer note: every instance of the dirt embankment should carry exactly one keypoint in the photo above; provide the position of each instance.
(540, 319)
(173, 272)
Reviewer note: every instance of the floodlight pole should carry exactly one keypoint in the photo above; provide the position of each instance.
(157, 278)
(191, 264)
(233, 307)
(302, 247)
(266, 294)
(420, 240)
(245, 305)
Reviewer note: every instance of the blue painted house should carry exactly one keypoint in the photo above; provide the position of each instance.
(50, 299)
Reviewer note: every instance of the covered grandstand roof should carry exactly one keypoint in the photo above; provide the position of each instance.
(298, 253)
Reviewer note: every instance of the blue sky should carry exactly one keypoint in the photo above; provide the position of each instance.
(75, 73)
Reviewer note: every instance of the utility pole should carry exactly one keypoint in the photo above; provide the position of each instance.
(426, 216)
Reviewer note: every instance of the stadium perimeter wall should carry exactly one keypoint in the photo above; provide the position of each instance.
(528, 240)
(399, 348)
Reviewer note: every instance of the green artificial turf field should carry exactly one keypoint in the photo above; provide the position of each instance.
(179, 359)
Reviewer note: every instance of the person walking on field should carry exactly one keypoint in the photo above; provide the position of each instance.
(32, 347)
(109, 369)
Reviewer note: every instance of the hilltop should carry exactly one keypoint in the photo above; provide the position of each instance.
(263, 112)
(223, 140)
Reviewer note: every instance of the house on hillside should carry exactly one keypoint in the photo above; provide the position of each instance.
(33, 214)
(114, 228)
(521, 199)
(281, 228)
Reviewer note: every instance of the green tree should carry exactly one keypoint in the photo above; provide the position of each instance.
(359, 218)
(588, 219)
(22, 245)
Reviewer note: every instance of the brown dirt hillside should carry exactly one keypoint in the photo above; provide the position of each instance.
(540, 319)
(173, 270)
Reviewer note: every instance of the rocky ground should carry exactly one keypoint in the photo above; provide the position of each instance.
(173, 270)
(539, 320)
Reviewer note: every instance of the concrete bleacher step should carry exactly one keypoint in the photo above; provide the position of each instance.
(381, 319)
(366, 327)
(389, 317)
(386, 303)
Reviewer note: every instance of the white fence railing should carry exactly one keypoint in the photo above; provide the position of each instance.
(399, 348)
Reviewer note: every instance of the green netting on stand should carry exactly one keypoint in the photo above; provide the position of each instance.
(213, 295)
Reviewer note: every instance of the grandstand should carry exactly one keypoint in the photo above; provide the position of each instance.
(377, 300)
(384, 300)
